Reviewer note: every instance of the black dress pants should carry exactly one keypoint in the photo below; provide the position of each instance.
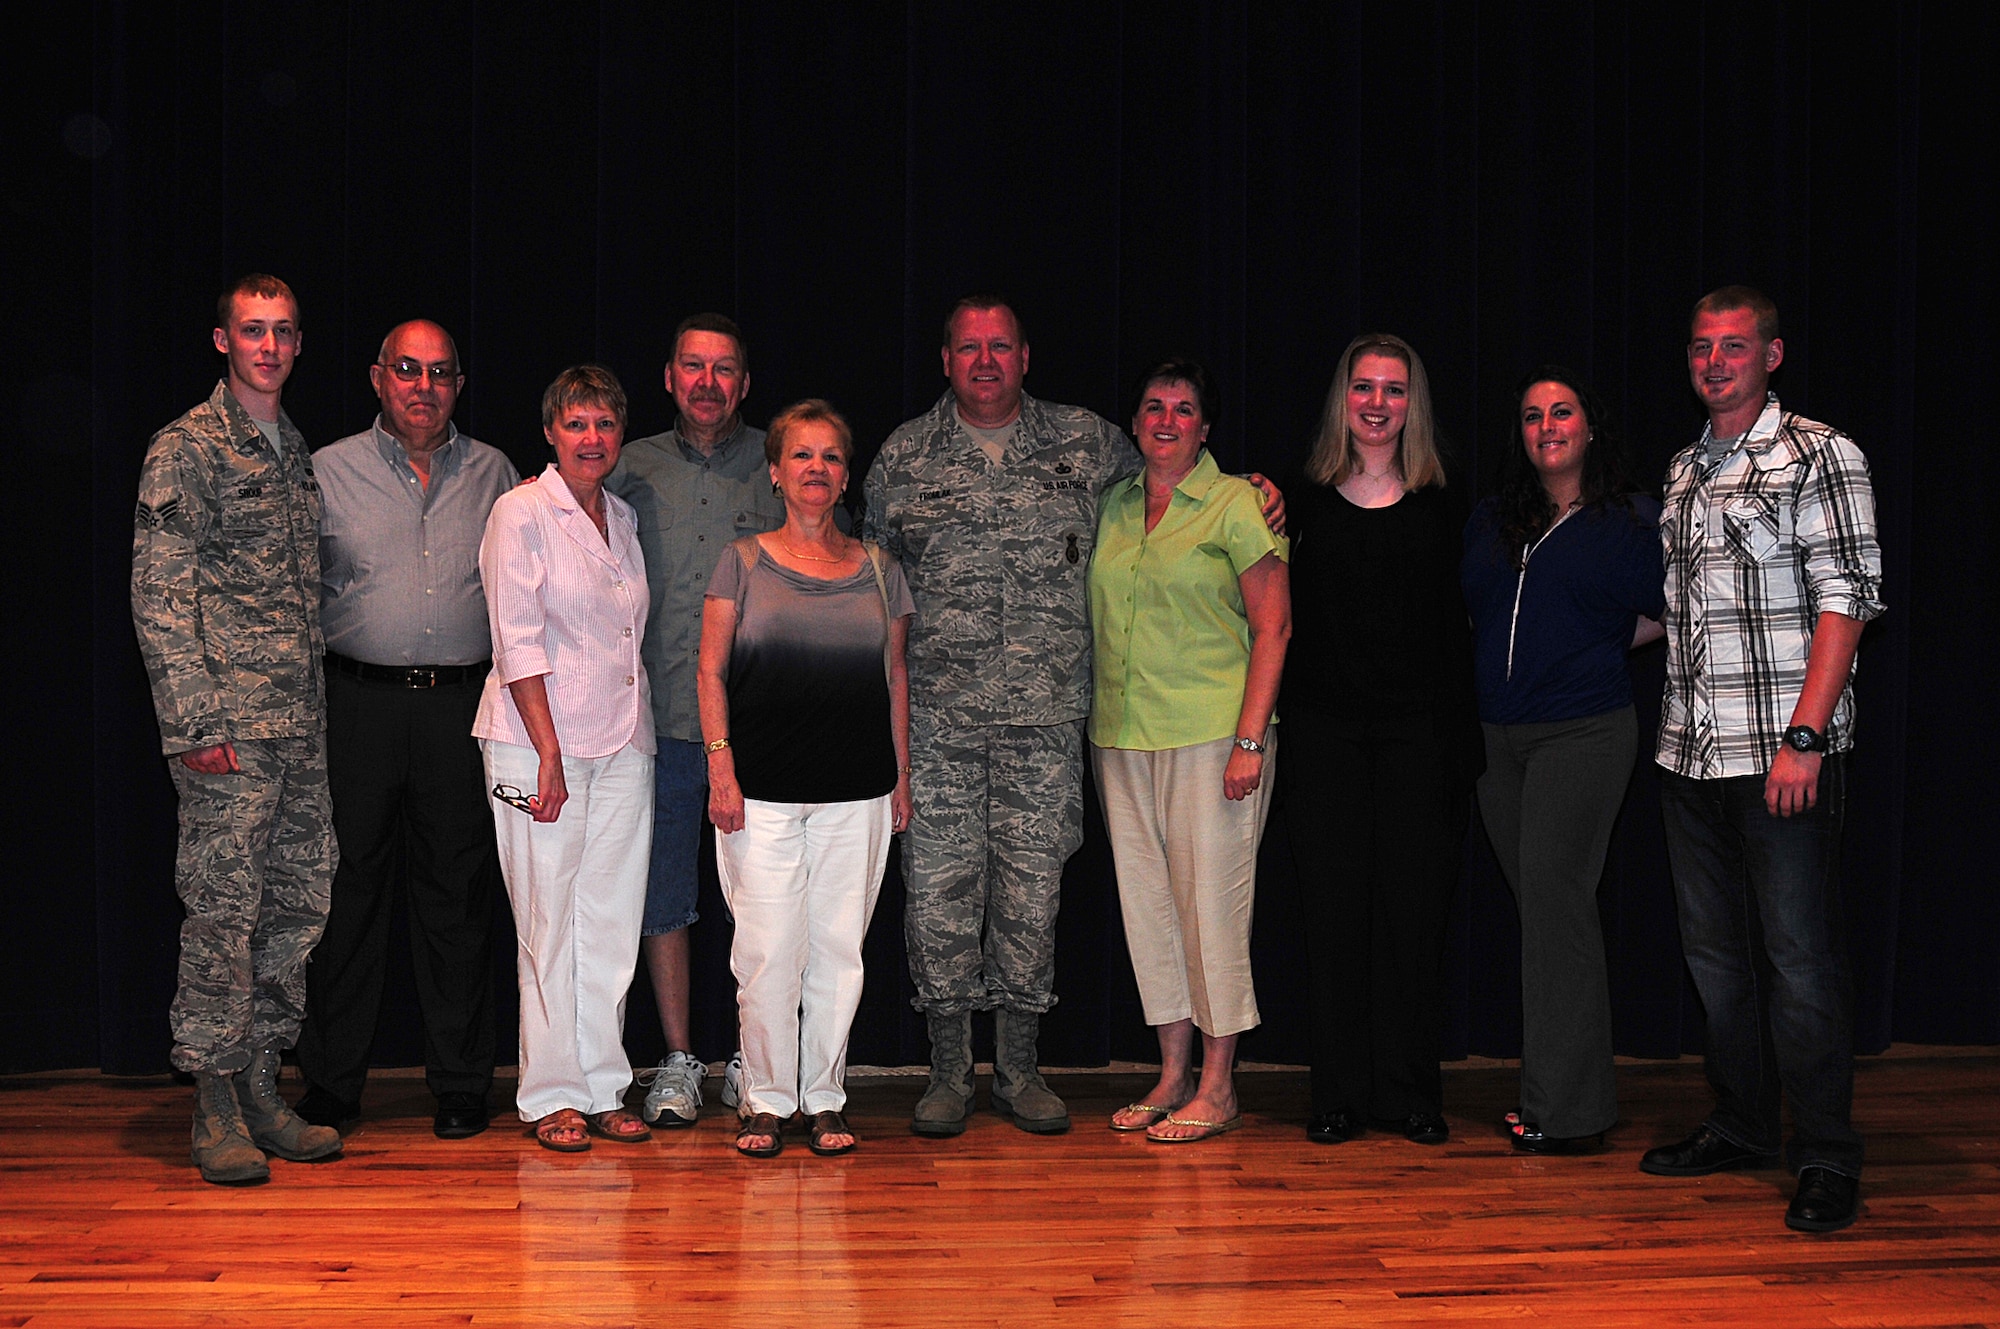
(1376, 808)
(410, 812)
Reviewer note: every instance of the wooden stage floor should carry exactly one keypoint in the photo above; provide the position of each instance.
(104, 1224)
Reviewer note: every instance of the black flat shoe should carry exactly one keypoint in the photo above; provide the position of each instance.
(460, 1116)
(1826, 1202)
(1529, 1139)
(1335, 1127)
(1700, 1154)
(321, 1108)
(1425, 1128)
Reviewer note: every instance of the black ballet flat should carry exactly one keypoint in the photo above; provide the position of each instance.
(1529, 1139)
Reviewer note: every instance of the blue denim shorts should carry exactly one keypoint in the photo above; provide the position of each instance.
(680, 811)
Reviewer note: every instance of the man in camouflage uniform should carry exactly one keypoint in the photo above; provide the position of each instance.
(990, 501)
(225, 598)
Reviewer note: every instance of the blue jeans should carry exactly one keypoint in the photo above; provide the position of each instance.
(680, 810)
(1762, 927)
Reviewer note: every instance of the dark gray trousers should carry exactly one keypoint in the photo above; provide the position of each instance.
(1549, 797)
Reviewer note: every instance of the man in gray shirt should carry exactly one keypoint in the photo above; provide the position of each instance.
(407, 649)
(695, 488)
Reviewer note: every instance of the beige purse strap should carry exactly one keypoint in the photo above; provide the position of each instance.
(874, 552)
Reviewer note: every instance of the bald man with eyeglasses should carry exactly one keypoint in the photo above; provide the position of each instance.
(407, 653)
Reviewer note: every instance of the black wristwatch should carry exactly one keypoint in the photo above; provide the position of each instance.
(1804, 738)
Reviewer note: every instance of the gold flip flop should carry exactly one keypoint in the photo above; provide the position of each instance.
(1154, 1108)
(1209, 1129)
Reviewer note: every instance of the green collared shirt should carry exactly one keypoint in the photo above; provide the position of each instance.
(1172, 636)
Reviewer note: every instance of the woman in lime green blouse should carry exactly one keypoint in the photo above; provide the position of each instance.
(1191, 609)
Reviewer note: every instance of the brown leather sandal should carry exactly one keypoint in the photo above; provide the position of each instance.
(563, 1121)
(762, 1123)
(824, 1124)
(620, 1125)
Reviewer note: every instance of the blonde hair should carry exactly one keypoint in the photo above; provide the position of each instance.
(1332, 459)
(812, 410)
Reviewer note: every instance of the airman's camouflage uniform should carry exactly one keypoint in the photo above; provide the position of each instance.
(997, 556)
(225, 598)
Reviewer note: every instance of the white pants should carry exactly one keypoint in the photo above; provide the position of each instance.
(1187, 878)
(801, 881)
(578, 888)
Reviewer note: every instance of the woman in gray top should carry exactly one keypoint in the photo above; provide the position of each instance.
(805, 714)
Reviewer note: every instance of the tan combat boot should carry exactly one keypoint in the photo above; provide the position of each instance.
(271, 1123)
(220, 1144)
(1018, 1088)
(941, 1111)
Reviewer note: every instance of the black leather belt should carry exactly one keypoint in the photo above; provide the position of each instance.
(410, 676)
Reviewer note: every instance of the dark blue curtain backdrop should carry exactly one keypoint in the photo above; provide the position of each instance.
(1501, 184)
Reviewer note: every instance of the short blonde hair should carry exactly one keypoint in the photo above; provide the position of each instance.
(1332, 459)
(260, 284)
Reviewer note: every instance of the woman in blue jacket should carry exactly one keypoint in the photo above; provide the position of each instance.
(1562, 575)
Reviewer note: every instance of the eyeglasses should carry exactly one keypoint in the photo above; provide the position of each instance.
(514, 798)
(409, 371)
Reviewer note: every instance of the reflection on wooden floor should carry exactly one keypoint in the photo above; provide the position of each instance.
(103, 1222)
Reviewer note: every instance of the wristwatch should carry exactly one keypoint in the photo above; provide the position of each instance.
(1249, 745)
(1804, 738)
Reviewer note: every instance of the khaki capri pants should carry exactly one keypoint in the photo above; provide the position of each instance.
(1187, 878)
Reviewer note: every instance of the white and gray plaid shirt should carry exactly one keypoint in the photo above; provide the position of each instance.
(1758, 546)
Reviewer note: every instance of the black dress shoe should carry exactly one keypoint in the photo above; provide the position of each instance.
(1529, 1139)
(1826, 1201)
(1425, 1128)
(459, 1116)
(1336, 1127)
(321, 1108)
(1700, 1154)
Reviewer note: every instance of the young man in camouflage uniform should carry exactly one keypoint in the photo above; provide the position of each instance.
(225, 598)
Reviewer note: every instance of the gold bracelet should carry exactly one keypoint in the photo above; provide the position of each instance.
(718, 745)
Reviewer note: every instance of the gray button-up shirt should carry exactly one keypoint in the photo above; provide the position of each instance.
(689, 507)
(399, 560)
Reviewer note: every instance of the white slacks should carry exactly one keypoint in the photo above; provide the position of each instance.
(1187, 878)
(578, 888)
(801, 881)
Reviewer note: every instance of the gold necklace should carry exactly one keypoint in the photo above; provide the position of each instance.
(810, 558)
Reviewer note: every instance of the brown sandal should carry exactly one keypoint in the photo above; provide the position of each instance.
(762, 1123)
(620, 1125)
(562, 1120)
(825, 1124)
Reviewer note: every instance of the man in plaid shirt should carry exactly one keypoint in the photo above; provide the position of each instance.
(1773, 567)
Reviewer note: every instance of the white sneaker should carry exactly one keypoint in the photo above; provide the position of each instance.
(673, 1090)
(732, 1081)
